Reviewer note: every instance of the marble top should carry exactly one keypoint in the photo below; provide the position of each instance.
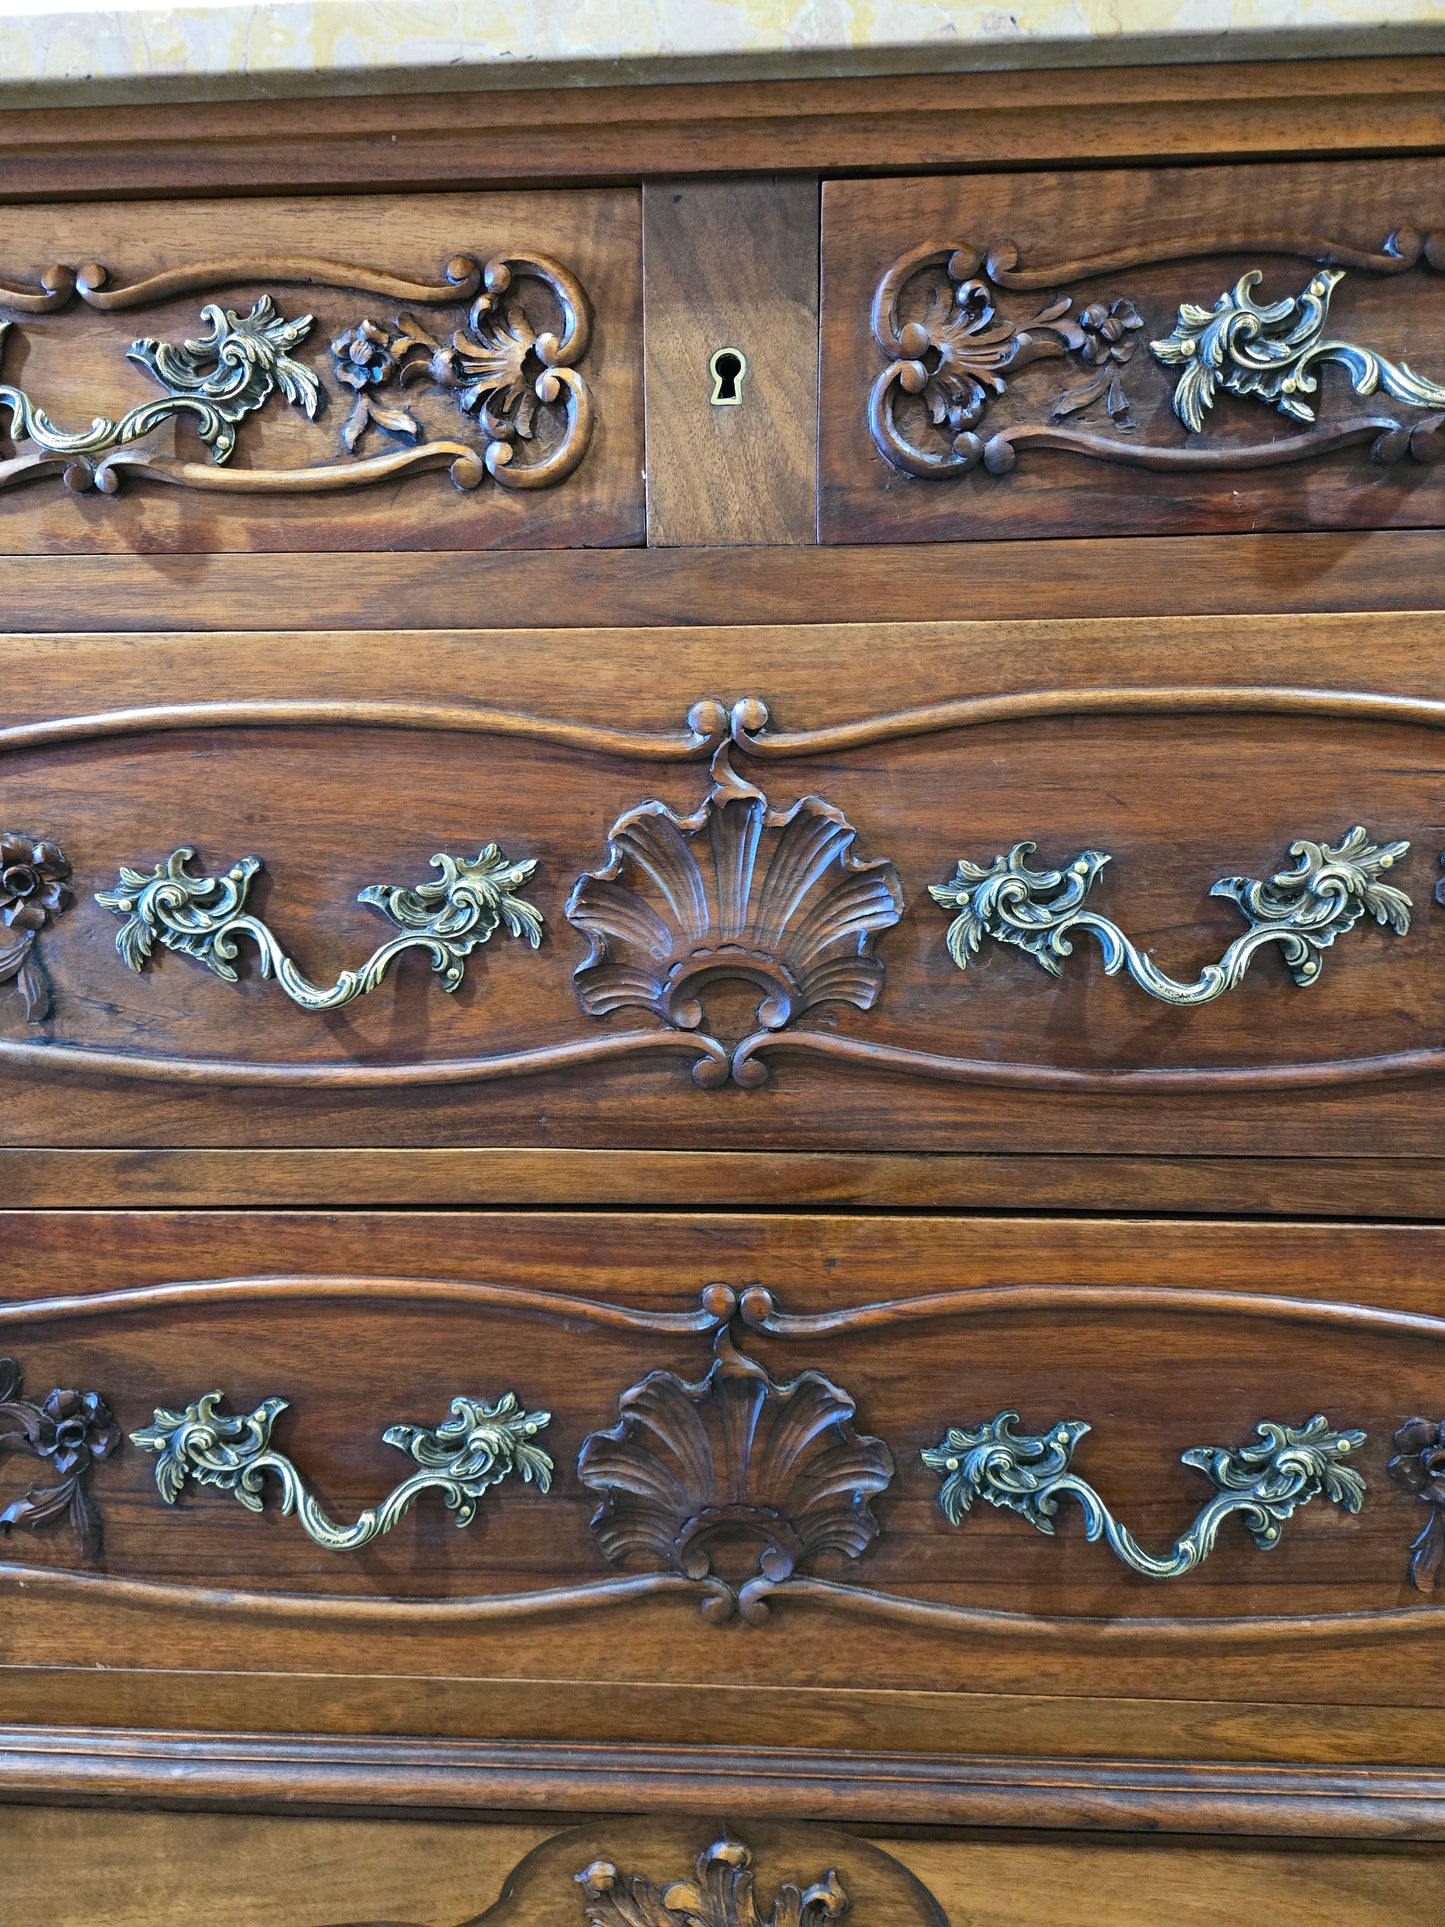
(54, 53)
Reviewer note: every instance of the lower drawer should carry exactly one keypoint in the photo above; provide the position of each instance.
(73, 1869)
(703, 1489)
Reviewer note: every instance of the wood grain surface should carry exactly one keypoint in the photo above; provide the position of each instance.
(1318, 573)
(73, 365)
(1067, 221)
(731, 265)
(460, 140)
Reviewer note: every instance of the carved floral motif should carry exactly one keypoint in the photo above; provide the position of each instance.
(1419, 1466)
(720, 1894)
(735, 1456)
(34, 890)
(507, 374)
(778, 898)
(72, 1431)
(958, 351)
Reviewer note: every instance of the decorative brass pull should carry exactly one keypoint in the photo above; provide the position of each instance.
(1028, 1473)
(202, 916)
(1303, 910)
(462, 1458)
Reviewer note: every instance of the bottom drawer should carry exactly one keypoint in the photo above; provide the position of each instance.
(72, 1869)
(701, 1491)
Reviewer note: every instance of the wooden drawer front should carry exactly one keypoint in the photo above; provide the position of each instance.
(438, 371)
(812, 920)
(518, 1458)
(1133, 352)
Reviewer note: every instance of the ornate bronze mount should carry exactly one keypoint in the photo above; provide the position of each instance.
(34, 890)
(694, 1465)
(1303, 910)
(950, 352)
(516, 382)
(202, 917)
(72, 1431)
(1265, 1483)
(720, 1894)
(476, 1448)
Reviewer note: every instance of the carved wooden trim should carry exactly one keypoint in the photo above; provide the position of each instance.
(502, 370)
(70, 1432)
(339, 1773)
(1402, 249)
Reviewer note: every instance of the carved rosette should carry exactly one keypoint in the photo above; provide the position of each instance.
(736, 1456)
(71, 1431)
(777, 898)
(34, 890)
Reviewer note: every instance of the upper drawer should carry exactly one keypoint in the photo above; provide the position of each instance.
(1131, 887)
(438, 371)
(1133, 352)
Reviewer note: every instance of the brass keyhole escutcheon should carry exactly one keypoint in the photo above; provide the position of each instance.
(727, 368)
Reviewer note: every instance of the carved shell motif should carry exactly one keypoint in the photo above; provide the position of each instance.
(735, 1455)
(777, 897)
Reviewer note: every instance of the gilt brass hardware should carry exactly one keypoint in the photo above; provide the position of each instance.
(462, 1458)
(202, 916)
(1265, 1483)
(1303, 910)
(727, 367)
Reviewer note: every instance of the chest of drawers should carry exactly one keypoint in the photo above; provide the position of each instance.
(720, 998)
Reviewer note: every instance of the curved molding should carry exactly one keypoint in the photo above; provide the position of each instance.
(1391, 1625)
(705, 729)
(466, 465)
(750, 1070)
(460, 279)
(750, 720)
(1389, 438)
(758, 1309)
(717, 1305)
(710, 1067)
(1401, 250)
(54, 289)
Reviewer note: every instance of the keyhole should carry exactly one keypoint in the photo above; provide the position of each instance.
(727, 368)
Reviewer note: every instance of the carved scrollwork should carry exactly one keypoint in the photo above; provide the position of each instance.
(720, 1894)
(507, 374)
(71, 1431)
(953, 352)
(462, 1458)
(34, 890)
(1265, 1483)
(776, 897)
(1303, 910)
(734, 1456)
(203, 916)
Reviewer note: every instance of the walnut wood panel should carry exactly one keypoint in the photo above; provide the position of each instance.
(1318, 573)
(1196, 776)
(385, 259)
(731, 266)
(1076, 430)
(1165, 1336)
(461, 140)
(1291, 1187)
(168, 1870)
(314, 1772)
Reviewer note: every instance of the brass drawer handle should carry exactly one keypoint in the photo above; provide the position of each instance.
(202, 916)
(462, 1458)
(1028, 1473)
(1303, 910)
